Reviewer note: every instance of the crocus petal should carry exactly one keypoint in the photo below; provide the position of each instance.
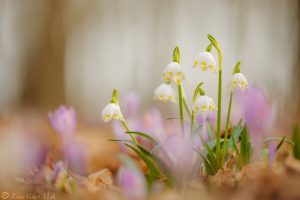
(132, 182)
(63, 120)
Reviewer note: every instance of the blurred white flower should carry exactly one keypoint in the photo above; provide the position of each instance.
(205, 61)
(203, 103)
(165, 93)
(111, 111)
(238, 81)
(173, 72)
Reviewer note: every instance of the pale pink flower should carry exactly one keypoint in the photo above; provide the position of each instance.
(63, 120)
(132, 183)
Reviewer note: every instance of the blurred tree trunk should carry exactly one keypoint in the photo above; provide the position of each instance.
(43, 85)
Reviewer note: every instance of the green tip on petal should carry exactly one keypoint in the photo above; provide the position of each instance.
(209, 47)
(176, 55)
(237, 68)
(114, 98)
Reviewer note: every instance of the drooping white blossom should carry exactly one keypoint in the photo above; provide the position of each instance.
(173, 72)
(203, 104)
(165, 93)
(205, 61)
(238, 81)
(111, 111)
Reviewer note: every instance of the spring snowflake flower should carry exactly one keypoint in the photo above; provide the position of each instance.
(173, 72)
(205, 61)
(165, 93)
(238, 81)
(204, 103)
(111, 111)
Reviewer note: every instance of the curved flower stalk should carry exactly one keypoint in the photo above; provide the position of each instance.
(113, 111)
(238, 82)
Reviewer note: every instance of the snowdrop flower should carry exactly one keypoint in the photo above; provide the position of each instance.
(165, 93)
(203, 103)
(111, 111)
(63, 120)
(238, 81)
(205, 61)
(132, 182)
(173, 72)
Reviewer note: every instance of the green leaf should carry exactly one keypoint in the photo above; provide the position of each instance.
(208, 166)
(269, 139)
(236, 133)
(296, 140)
(153, 170)
(237, 68)
(280, 143)
(245, 147)
(176, 55)
(144, 135)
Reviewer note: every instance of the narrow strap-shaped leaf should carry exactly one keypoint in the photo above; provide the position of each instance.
(147, 161)
(280, 143)
(206, 160)
(269, 139)
(144, 135)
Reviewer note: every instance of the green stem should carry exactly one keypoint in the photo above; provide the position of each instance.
(226, 128)
(218, 135)
(181, 107)
(187, 107)
(128, 130)
(192, 121)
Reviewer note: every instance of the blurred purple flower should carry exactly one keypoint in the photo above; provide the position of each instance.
(63, 120)
(76, 159)
(132, 104)
(132, 182)
(178, 157)
(257, 111)
(56, 170)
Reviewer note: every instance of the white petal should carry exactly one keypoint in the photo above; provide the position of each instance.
(203, 104)
(205, 61)
(173, 72)
(238, 81)
(111, 111)
(165, 93)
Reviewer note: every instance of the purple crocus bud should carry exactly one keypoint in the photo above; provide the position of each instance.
(63, 120)
(56, 170)
(132, 182)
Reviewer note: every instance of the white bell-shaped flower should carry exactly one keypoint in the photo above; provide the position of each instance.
(111, 111)
(165, 93)
(238, 81)
(205, 61)
(173, 72)
(203, 103)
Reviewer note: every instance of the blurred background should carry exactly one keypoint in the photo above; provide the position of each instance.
(75, 52)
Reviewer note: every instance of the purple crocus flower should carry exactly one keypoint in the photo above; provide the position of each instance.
(132, 182)
(132, 105)
(63, 120)
(257, 111)
(75, 155)
(177, 155)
